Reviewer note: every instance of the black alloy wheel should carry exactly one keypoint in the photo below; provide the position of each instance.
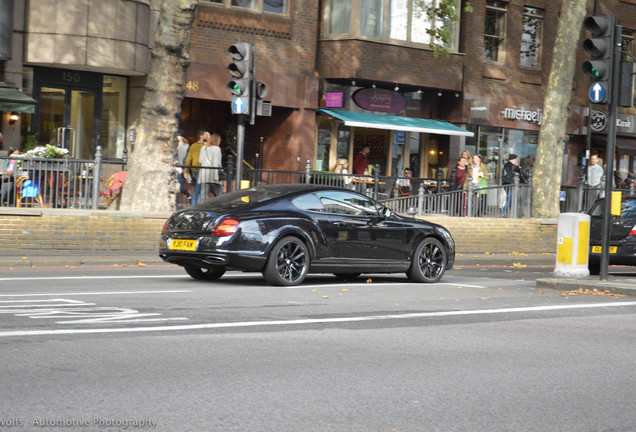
(429, 261)
(288, 262)
(202, 273)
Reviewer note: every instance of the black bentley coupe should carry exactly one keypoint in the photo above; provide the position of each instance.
(288, 231)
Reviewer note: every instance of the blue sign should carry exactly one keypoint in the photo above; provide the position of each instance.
(597, 92)
(239, 106)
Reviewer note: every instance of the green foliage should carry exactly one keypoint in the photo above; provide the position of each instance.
(442, 13)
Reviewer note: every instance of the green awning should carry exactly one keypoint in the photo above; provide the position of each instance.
(13, 100)
(407, 124)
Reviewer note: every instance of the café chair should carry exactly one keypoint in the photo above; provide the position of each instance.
(115, 183)
(28, 192)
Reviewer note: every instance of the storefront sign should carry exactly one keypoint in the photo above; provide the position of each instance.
(522, 114)
(382, 100)
(480, 109)
(334, 99)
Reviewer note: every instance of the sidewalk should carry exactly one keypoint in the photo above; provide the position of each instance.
(625, 285)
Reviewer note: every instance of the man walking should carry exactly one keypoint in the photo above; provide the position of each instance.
(192, 174)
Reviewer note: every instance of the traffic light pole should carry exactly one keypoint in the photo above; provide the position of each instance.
(240, 139)
(609, 154)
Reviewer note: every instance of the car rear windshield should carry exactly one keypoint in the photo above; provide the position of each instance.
(243, 198)
(628, 208)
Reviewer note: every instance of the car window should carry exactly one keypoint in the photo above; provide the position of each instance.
(628, 208)
(309, 202)
(347, 203)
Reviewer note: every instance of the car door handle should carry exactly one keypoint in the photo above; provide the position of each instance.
(339, 224)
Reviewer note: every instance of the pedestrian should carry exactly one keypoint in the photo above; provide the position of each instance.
(459, 182)
(594, 176)
(361, 161)
(479, 177)
(182, 154)
(342, 168)
(9, 172)
(507, 178)
(404, 183)
(192, 174)
(210, 160)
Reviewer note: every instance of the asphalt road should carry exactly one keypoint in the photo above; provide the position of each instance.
(150, 349)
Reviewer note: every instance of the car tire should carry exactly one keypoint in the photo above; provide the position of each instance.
(347, 276)
(288, 262)
(202, 273)
(428, 263)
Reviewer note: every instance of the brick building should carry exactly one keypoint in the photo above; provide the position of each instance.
(324, 62)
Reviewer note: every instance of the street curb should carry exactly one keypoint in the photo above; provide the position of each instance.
(624, 287)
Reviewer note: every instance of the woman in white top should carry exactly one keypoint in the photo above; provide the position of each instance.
(341, 168)
(210, 157)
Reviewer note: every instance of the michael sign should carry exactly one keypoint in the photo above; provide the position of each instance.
(382, 100)
(522, 114)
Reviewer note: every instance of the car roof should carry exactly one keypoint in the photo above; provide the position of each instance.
(296, 187)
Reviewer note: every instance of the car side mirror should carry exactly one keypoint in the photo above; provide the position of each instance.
(387, 213)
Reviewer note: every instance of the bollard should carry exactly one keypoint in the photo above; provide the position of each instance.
(573, 239)
(420, 200)
(308, 172)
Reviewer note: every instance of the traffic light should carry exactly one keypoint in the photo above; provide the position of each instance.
(601, 49)
(241, 70)
(261, 90)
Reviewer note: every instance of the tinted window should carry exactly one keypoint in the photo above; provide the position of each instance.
(309, 202)
(628, 208)
(347, 203)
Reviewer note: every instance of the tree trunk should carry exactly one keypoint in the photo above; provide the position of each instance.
(151, 184)
(549, 163)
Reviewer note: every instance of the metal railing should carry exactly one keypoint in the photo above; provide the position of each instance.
(83, 184)
(58, 183)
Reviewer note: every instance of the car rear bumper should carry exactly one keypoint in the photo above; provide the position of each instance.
(233, 260)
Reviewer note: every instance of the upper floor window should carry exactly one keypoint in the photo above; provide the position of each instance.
(270, 6)
(388, 20)
(495, 30)
(531, 37)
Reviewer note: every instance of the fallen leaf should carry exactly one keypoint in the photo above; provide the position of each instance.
(140, 264)
(24, 257)
(344, 290)
(314, 290)
(369, 280)
(325, 297)
(519, 265)
(594, 292)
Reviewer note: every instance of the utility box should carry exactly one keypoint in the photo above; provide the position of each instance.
(573, 242)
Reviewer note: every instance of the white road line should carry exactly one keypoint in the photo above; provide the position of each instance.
(94, 277)
(93, 293)
(312, 321)
(341, 284)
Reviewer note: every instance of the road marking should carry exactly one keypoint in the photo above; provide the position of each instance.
(77, 312)
(226, 325)
(94, 293)
(340, 284)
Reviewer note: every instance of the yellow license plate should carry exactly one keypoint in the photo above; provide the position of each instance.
(183, 244)
(599, 249)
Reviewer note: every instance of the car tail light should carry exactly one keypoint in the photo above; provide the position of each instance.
(164, 231)
(225, 227)
(633, 231)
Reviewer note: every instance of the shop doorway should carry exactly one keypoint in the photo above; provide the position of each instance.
(69, 110)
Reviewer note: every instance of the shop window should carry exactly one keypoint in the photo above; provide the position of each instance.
(323, 146)
(267, 6)
(531, 37)
(113, 133)
(494, 30)
(388, 20)
(344, 137)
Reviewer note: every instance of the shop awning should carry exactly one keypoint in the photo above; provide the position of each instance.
(407, 124)
(13, 100)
